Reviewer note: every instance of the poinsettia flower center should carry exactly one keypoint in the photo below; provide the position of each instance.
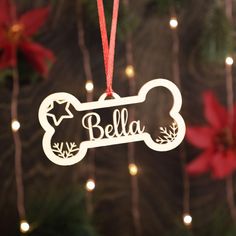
(15, 32)
(226, 139)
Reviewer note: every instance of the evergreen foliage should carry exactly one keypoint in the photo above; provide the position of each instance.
(217, 38)
(62, 213)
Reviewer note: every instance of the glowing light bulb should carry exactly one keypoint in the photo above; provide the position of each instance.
(187, 219)
(229, 61)
(173, 23)
(129, 71)
(89, 86)
(133, 169)
(24, 226)
(15, 125)
(90, 185)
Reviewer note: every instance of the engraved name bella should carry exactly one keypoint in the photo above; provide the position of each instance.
(119, 130)
(120, 126)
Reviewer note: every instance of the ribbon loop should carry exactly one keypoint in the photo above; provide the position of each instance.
(108, 49)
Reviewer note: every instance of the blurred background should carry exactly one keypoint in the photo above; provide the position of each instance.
(120, 190)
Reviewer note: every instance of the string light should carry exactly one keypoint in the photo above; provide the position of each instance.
(173, 23)
(129, 71)
(133, 169)
(229, 61)
(90, 185)
(24, 226)
(187, 219)
(15, 125)
(89, 86)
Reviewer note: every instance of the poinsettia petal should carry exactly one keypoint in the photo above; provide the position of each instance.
(215, 114)
(7, 12)
(201, 137)
(3, 38)
(234, 128)
(34, 19)
(201, 164)
(8, 56)
(38, 56)
(223, 164)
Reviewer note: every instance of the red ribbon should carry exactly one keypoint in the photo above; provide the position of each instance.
(108, 49)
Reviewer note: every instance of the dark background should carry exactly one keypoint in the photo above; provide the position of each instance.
(55, 194)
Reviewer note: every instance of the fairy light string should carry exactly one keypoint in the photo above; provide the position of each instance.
(229, 10)
(187, 219)
(230, 104)
(132, 167)
(89, 86)
(15, 126)
(108, 49)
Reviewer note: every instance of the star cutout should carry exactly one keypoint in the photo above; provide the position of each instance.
(65, 115)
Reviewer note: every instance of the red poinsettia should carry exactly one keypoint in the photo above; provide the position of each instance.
(218, 141)
(15, 35)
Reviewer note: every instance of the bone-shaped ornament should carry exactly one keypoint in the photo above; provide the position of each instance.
(108, 135)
